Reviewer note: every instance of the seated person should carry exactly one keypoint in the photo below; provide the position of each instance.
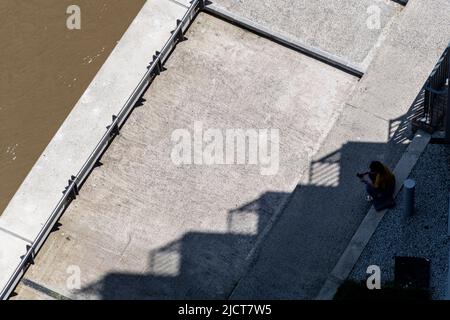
(380, 186)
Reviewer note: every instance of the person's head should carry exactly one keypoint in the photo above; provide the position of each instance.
(376, 167)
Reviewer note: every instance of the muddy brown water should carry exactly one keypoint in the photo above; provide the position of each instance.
(44, 69)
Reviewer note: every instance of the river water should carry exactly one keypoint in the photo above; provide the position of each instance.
(44, 69)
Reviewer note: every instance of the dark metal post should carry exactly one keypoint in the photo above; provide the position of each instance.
(180, 35)
(158, 66)
(30, 259)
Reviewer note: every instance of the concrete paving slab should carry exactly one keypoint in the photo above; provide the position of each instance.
(8, 262)
(27, 293)
(184, 3)
(414, 43)
(301, 47)
(143, 227)
(344, 28)
(65, 155)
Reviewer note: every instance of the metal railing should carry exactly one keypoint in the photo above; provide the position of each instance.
(433, 112)
(296, 45)
(71, 190)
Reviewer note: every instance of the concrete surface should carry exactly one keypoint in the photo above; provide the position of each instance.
(27, 293)
(306, 242)
(143, 227)
(279, 38)
(30, 290)
(339, 27)
(414, 43)
(422, 235)
(39, 193)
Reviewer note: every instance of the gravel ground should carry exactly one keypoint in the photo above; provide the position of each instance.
(424, 234)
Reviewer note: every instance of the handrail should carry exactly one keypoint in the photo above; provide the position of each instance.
(75, 181)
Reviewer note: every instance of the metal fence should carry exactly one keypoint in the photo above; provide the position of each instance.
(432, 114)
(71, 190)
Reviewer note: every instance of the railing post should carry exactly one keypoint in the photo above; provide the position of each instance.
(179, 36)
(73, 192)
(30, 259)
(158, 67)
(115, 130)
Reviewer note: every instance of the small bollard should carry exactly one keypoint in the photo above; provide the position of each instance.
(410, 201)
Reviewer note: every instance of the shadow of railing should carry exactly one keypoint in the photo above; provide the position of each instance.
(202, 265)
(320, 215)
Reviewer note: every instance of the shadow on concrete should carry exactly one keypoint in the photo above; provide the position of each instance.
(295, 256)
(141, 101)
